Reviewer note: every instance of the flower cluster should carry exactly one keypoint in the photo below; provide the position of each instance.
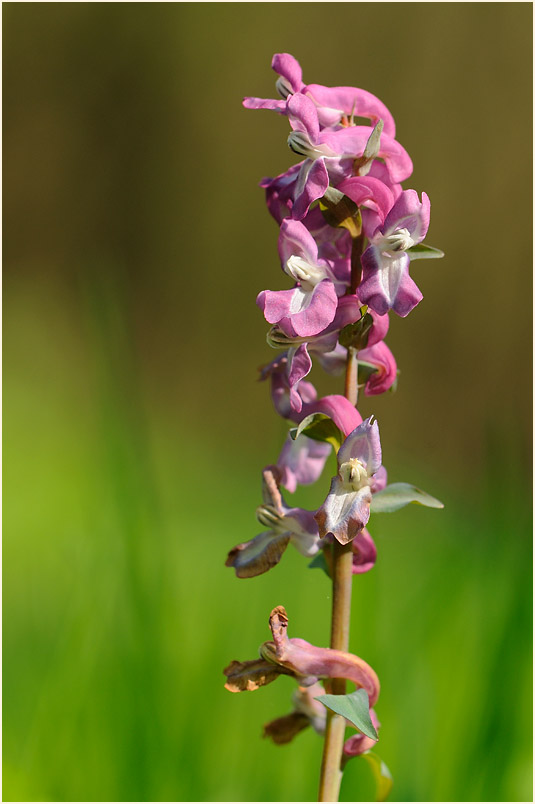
(348, 233)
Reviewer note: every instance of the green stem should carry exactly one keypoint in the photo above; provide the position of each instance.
(342, 578)
(331, 774)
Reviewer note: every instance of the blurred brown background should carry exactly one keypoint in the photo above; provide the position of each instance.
(126, 144)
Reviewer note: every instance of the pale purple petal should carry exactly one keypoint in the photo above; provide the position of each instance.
(301, 462)
(299, 365)
(409, 213)
(280, 192)
(379, 480)
(379, 355)
(333, 362)
(344, 513)
(295, 239)
(350, 100)
(311, 184)
(364, 444)
(364, 552)
(312, 311)
(386, 283)
(303, 530)
(265, 103)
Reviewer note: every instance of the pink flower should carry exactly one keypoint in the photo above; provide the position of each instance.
(386, 283)
(346, 509)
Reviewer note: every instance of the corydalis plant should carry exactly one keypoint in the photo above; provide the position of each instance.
(348, 233)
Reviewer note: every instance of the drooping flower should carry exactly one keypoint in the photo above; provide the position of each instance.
(295, 525)
(298, 658)
(288, 389)
(346, 509)
(301, 461)
(386, 283)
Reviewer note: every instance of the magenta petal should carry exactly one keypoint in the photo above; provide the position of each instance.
(289, 68)
(311, 184)
(350, 100)
(380, 356)
(364, 444)
(342, 412)
(365, 189)
(386, 283)
(301, 462)
(364, 552)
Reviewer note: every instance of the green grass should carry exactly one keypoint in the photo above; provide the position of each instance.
(120, 616)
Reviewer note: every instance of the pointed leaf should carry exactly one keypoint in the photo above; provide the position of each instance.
(421, 251)
(383, 777)
(355, 707)
(319, 427)
(398, 495)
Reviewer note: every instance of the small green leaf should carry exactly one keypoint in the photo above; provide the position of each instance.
(357, 334)
(383, 777)
(421, 251)
(318, 562)
(398, 495)
(355, 707)
(319, 427)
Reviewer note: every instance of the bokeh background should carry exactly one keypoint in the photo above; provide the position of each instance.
(135, 241)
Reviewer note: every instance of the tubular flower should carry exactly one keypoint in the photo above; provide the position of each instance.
(346, 510)
(285, 525)
(311, 305)
(300, 659)
(334, 104)
(386, 283)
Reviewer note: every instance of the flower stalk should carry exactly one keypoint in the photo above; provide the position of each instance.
(348, 233)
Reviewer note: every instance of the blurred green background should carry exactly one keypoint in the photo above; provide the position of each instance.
(135, 241)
